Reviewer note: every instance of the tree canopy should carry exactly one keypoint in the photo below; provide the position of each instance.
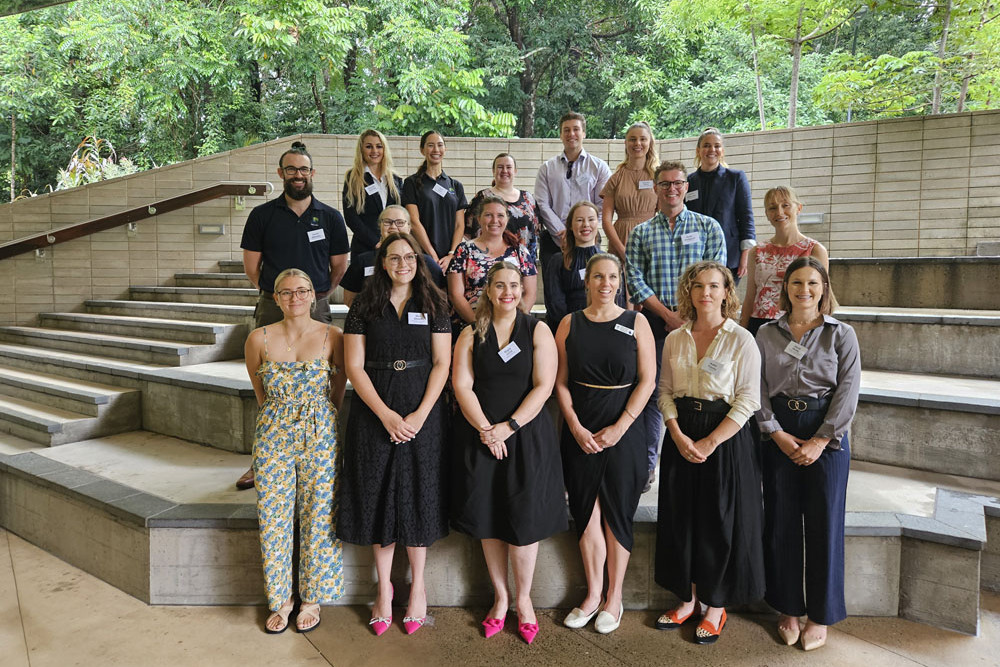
(169, 80)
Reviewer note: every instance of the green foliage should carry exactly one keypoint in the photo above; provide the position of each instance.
(93, 160)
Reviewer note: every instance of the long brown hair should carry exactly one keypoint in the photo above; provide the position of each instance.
(423, 142)
(426, 296)
(354, 182)
(510, 238)
(484, 307)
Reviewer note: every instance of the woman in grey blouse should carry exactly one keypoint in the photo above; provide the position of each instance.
(810, 376)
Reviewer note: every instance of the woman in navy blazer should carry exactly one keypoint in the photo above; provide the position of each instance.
(369, 186)
(722, 193)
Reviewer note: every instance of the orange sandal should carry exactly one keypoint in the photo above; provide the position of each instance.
(671, 620)
(708, 633)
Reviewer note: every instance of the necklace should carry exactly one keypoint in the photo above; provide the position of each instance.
(289, 343)
(804, 322)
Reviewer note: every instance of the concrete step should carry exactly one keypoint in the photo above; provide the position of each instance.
(42, 423)
(212, 280)
(927, 340)
(945, 424)
(88, 367)
(208, 333)
(143, 350)
(916, 545)
(87, 398)
(172, 310)
(230, 266)
(229, 296)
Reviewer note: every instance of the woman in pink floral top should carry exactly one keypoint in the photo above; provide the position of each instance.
(768, 261)
(473, 259)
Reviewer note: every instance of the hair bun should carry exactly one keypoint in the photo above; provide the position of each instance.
(299, 145)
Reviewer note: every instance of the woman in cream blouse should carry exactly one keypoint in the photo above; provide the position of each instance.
(708, 534)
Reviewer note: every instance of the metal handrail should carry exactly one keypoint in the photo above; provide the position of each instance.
(76, 230)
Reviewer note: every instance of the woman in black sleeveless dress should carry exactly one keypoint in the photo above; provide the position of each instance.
(507, 481)
(606, 374)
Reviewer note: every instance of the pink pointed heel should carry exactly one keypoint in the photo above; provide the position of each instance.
(492, 626)
(411, 624)
(528, 631)
(379, 624)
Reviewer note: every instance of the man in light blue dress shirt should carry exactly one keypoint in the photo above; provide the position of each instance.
(570, 177)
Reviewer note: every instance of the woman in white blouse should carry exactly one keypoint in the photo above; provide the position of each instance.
(708, 533)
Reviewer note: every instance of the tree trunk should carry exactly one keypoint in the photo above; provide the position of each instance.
(942, 46)
(320, 108)
(756, 73)
(793, 92)
(13, 156)
(526, 124)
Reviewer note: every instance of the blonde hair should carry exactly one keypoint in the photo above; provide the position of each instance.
(704, 133)
(484, 307)
(652, 156)
(785, 192)
(294, 273)
(354, 182)
(602, 257)
(730, 304)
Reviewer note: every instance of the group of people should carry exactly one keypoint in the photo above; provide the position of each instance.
(448, 426)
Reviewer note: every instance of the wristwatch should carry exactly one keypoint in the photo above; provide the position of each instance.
(514, 426)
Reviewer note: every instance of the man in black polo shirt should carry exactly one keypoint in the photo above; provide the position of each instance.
(294, 231)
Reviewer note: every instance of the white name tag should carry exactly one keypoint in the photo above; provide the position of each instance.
(691, 196)
(624, 329)
(796, 350)
(583, 274)
(710, 365)
(418, 318)
(371, 189)
(690, 237)
(369, 271)
(509, 352)
(439, 190)
(316, 235)
(645, 185)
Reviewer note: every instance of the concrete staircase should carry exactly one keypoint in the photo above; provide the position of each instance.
(76, 376)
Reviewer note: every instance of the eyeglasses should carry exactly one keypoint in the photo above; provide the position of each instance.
(397, 260)
(666, 185)
(394, 223)
(291, 171)
(301, 293)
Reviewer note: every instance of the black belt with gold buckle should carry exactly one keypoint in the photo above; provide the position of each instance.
(801, 403)
(398, 365)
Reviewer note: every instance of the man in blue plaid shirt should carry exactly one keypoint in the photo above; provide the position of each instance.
(657, 253)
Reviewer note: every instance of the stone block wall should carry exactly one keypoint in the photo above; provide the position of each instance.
(922, 186)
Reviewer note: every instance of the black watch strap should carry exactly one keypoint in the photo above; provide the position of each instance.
(513, 424)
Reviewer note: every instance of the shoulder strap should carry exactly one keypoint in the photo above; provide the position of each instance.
(265, 342)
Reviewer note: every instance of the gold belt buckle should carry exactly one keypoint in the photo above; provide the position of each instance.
(697, 406)
(399, 365)
(797, 405)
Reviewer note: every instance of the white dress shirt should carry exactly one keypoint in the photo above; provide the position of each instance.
(555, 194)
(382, 185)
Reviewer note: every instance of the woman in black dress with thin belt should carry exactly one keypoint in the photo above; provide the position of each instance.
(606, 374)
(508, 487)
(397, 344)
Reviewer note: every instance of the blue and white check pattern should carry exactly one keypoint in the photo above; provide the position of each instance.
(656, 256)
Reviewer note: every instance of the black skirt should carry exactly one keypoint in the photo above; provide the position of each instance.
(710, 520)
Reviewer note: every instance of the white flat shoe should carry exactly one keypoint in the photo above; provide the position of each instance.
(577, 618)
(606, 623)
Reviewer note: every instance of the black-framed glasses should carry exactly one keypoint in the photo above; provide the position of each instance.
(291, 171)
(300, 293)
(666, 185)
(398, 223)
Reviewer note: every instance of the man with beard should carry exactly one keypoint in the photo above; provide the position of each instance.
(294, 231)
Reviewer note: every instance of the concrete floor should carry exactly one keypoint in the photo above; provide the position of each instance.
(54, 614)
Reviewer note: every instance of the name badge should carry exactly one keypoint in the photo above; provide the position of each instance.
(583, 274)
(439, 190)
(691, 196)
(690, 237)
(509, 352)
(796, 350)
(418, 318)
(710, 365)
(645, 185)
(624, 329)
(369, 271)
(371, 189)
(316, 235)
